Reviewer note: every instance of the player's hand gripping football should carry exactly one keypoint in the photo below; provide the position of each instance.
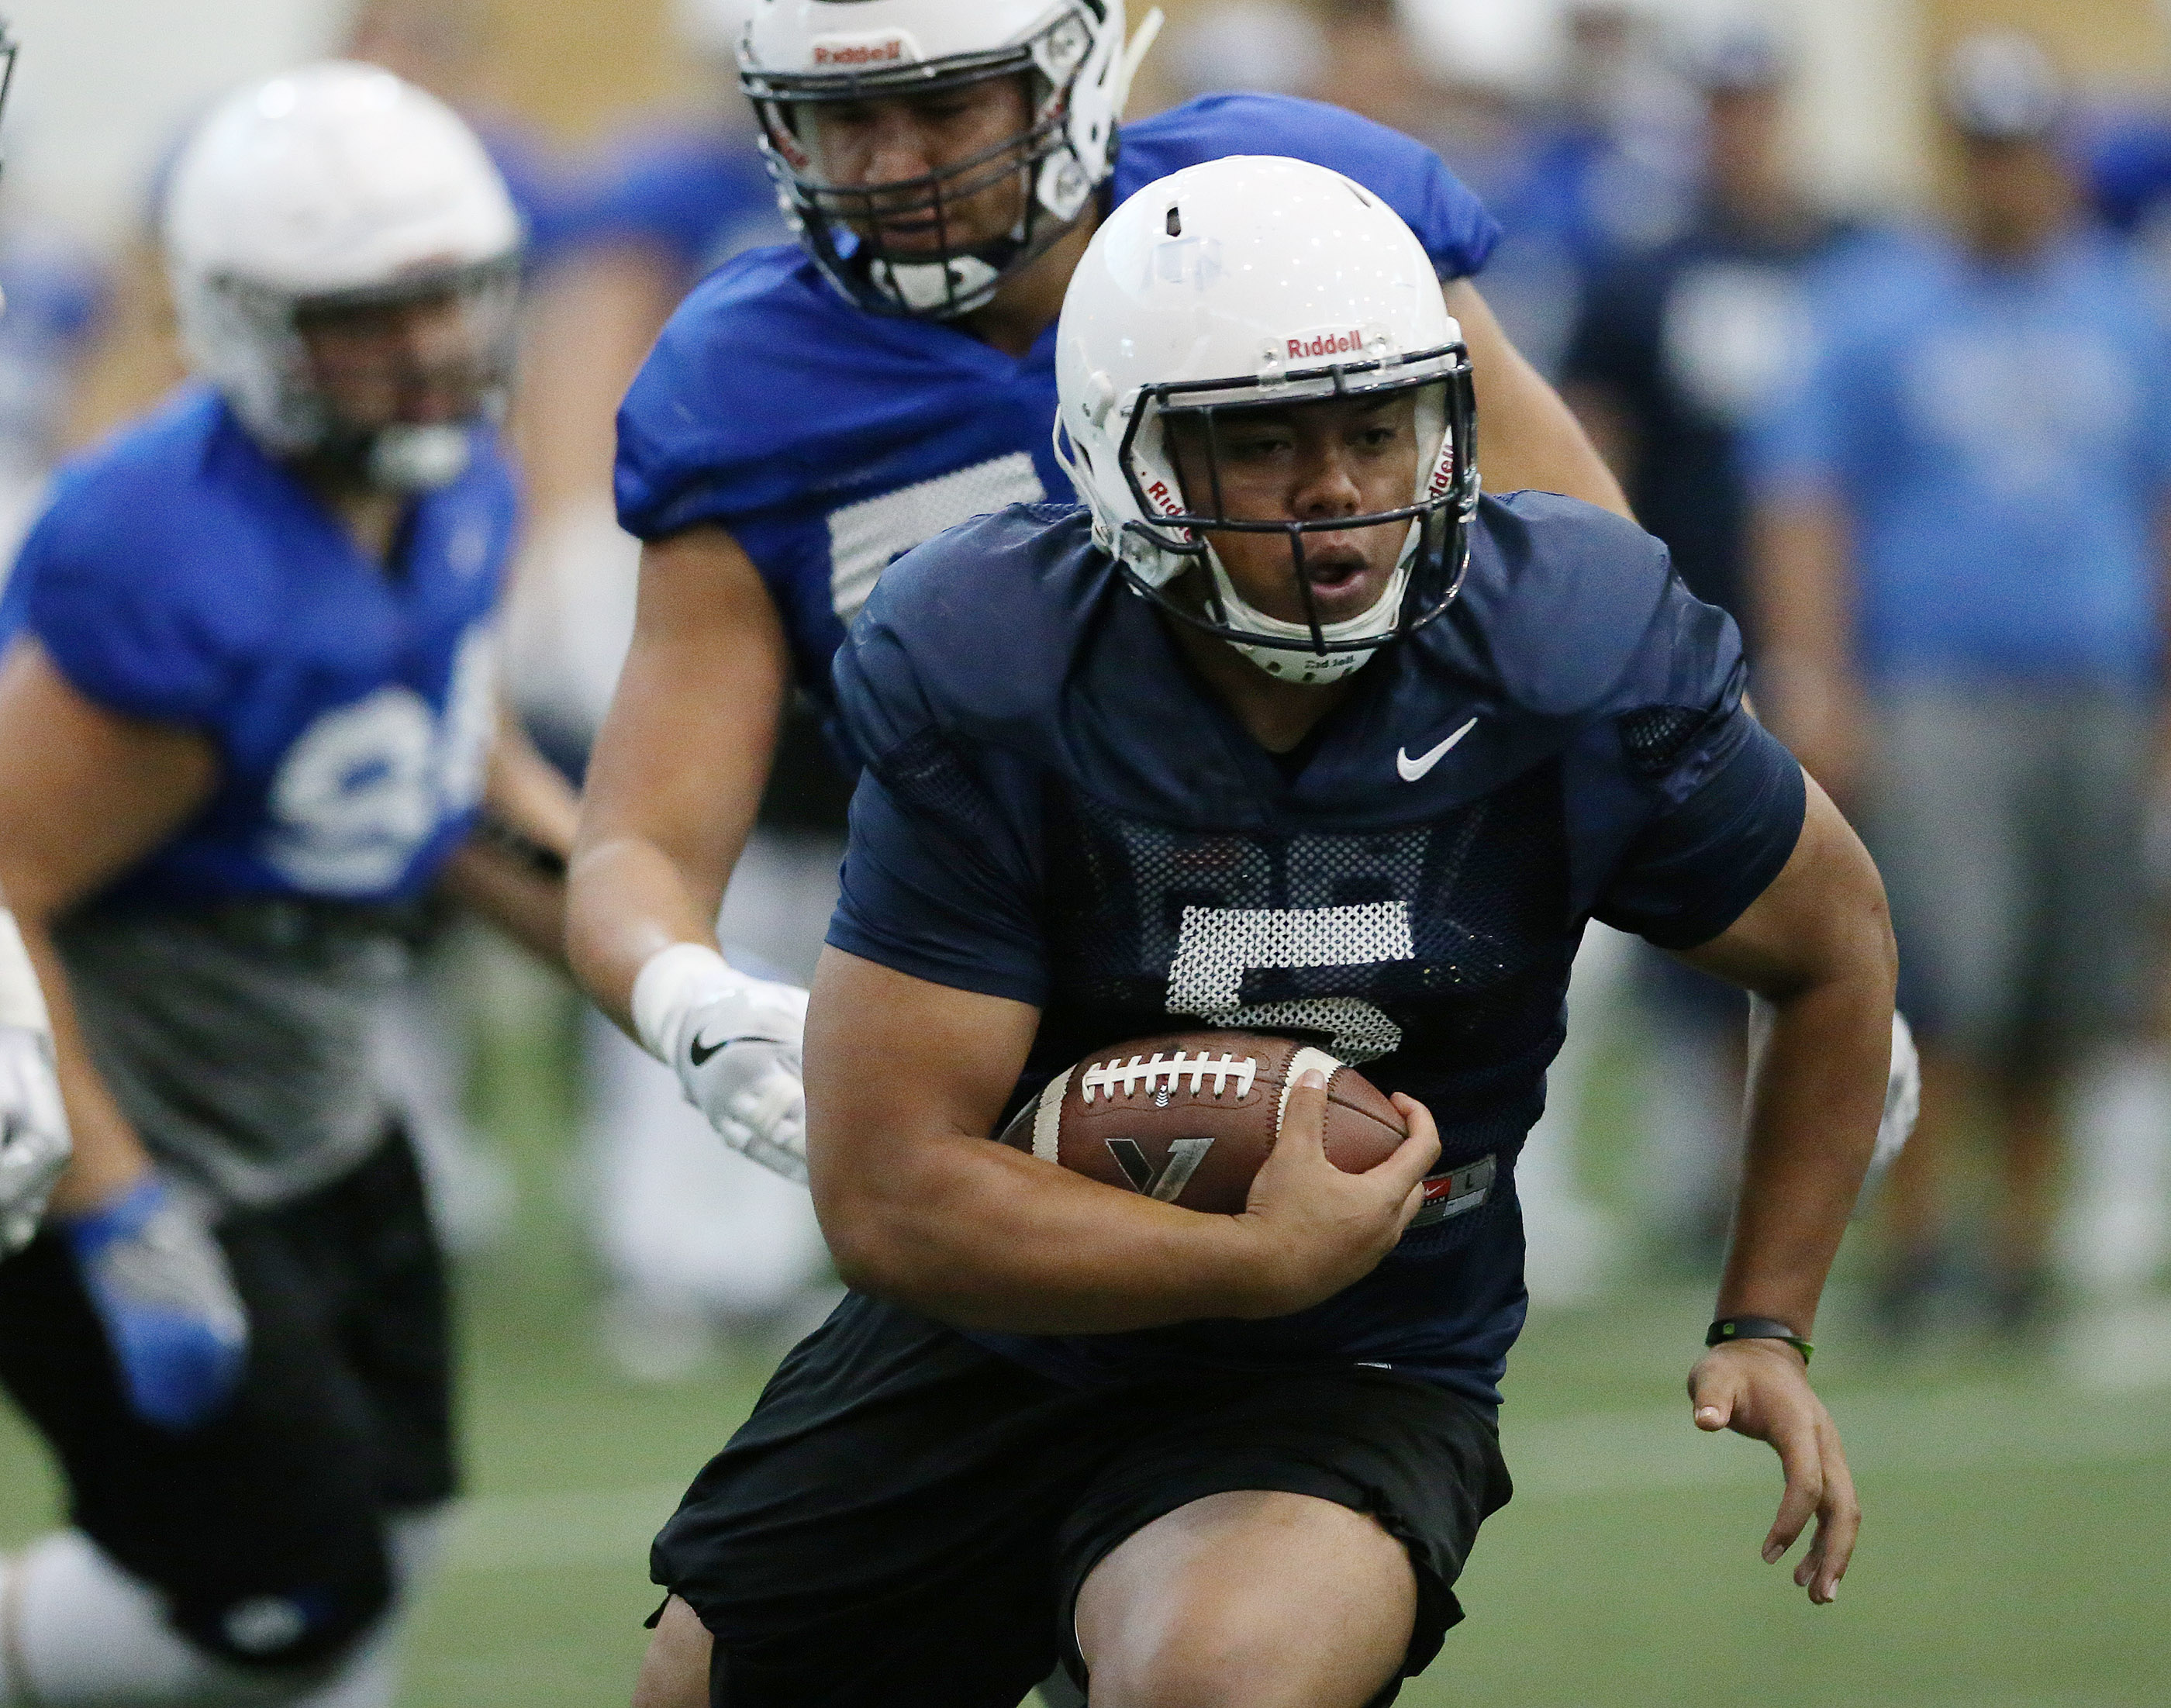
(33, 1133)
(1761, 1389)
(1319, 1229)
(159, 1282)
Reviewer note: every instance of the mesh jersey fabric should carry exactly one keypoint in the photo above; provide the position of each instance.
(1055, 810)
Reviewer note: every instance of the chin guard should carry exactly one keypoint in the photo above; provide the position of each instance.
(406, 457)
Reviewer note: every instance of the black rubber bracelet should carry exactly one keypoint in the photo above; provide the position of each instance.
(1756, 1328)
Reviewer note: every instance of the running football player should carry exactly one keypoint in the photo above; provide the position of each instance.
(810, 415)
(1288, 728)
(247, 721)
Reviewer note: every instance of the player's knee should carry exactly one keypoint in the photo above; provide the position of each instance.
(1228, 1663)
(309, 1620)
(1177, 1622)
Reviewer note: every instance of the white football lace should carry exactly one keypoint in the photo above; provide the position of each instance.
(1166, 1073)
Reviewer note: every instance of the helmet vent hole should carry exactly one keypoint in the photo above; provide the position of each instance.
(1175, 223)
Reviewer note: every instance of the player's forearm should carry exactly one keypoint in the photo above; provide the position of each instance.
(982, 1237)
(1532, 441)
(1813, 1108)
(108, 1157)
(1801, 599)
(627, 901)
(512, 871)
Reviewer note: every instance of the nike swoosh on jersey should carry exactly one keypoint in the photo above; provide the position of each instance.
(1412, 770)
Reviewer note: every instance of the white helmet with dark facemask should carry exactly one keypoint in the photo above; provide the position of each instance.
(1248, 282)
(335, 187)
(801, 55)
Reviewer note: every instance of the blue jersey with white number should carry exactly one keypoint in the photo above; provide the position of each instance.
(1054, 809)
(181, 576)
(829, 441)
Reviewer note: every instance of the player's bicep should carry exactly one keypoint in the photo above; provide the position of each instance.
(900, 1072)
(891, 1058)
(685, 749)
(1823, 917)
(1732, 806)
(85, 793)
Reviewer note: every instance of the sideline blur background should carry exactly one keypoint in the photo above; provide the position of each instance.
(624, 1290)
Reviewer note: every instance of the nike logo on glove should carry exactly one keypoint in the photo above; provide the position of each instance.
(699, 1052)
(1412, 770)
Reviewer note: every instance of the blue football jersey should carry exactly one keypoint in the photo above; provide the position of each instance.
(1054, 809)
(182, 576)
(829, 441)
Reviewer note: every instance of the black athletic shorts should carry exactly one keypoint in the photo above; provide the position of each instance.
(264, 1527)
(906, 1519)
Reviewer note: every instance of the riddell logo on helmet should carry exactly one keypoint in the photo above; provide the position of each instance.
(1327, 342)
(849, 53)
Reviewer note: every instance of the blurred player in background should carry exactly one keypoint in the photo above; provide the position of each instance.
(1679, 349)
(443, 46)
(808, 417)
(696, 1243)
(1962, 618)
(1214, 1459)
(247, 721)
(424, 1049)
(34, 1133)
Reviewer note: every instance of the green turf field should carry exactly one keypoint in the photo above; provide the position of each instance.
(2018, 1511)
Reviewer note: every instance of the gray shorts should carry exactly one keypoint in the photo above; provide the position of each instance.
(2008, 826)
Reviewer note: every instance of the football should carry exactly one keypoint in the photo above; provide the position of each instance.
(1189, 1118)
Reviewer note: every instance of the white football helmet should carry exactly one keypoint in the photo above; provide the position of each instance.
(338, 186)
(800, 53)
(713, 28)
(1246, 281)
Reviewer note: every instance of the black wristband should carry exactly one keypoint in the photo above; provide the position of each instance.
(1756, 1328)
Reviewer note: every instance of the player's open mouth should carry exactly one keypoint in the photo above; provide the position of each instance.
(1341, 582)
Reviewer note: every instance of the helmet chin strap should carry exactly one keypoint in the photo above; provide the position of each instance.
(1306, 668)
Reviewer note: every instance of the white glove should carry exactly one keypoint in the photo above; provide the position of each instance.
(33, 1131)
(734, 1042)
(1903, 1101)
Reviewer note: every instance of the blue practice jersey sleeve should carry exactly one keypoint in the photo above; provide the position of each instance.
(116, 634)
(1447, 216)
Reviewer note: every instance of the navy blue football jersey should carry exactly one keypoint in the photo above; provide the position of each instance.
(181, 575)
(1054, 809)
(829, 441)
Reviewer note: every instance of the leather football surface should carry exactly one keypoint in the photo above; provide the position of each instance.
(1189, 1118)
